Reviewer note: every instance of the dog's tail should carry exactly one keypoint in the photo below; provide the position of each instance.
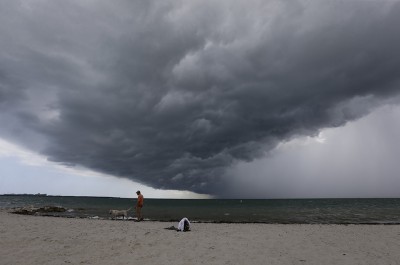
(129, 209)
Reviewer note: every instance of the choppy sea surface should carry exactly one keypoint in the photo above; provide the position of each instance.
(282, 211)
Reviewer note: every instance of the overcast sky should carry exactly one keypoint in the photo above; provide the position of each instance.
(228, 98)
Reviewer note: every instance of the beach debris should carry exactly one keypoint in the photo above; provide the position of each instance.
(94, 217)
(184, 225)
(31, 210)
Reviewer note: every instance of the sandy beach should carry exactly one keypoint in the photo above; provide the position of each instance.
(51, 240)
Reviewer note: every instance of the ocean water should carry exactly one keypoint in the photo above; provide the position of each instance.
(285, 211)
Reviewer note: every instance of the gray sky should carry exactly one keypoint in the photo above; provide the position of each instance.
(192, 95)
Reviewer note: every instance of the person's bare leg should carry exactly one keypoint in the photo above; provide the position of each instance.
(139, 213)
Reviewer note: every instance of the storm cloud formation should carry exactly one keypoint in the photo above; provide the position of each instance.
(172, 93)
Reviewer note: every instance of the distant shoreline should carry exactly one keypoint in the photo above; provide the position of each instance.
(47, 195)
(227, 211)
(25, 194)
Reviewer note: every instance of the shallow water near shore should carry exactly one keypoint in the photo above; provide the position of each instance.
(283, 211)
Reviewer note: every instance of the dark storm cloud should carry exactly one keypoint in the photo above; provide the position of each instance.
(171, 93)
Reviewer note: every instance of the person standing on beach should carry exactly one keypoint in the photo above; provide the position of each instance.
(139, 206)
